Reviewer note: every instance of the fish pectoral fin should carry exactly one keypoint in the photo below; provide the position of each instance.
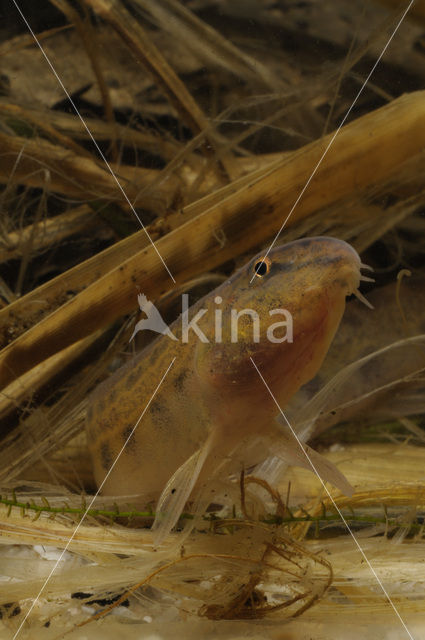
(176, 493)
(310, 459)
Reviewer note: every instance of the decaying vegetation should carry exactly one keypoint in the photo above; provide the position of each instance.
(208, 127)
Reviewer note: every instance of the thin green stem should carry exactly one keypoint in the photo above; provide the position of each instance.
(323, 518)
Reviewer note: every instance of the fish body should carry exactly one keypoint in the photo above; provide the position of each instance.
(212, 405)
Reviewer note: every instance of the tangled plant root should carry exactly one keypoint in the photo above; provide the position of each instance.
(280, 576)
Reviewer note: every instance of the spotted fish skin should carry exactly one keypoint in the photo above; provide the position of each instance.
(212, 393)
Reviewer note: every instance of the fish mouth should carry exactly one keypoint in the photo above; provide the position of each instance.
(354, 275)
(337, 261)
(356, 278)
(363, 278)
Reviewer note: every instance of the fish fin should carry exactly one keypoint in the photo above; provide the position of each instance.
(310, 459)
(176, 493)
(270, 469)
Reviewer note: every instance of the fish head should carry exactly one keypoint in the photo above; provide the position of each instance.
(280, 311)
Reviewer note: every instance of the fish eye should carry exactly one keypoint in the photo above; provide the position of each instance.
(262, 267)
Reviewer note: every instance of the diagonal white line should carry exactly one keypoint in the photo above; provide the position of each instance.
(91, 136)
(341, 124)
(92, 501)
(334, 504)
